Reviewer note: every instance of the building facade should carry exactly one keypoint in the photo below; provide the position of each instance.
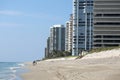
(57, 38)
(82, 25)
(106, 23)
(47, 49)
(69, 34)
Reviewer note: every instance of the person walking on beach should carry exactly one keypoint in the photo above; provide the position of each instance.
(34, 63)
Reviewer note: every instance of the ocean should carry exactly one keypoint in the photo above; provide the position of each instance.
(11, 70)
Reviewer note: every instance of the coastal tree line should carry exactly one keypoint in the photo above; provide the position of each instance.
(57, 54)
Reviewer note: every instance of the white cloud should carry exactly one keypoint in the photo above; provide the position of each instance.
(33, 15)
(13, 13)
(5, 24)
(18, 13)
(27, 15)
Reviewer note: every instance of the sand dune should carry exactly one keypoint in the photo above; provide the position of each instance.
(99, 66)
(104, 54)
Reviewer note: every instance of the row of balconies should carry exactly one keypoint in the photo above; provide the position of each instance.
(107, 1)
(106, 39)
(107, 23)
(107, 10)
(109, 19)
(101, 15)
(104, 6)
(107, 32)
(106, 43)
(106, 36)
(107, 28)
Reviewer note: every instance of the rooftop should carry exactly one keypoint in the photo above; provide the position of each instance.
(58, 25)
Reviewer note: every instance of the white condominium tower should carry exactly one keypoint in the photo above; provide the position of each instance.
(69, 34)
(82, 25)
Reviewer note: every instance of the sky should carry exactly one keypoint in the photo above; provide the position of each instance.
(25, 26)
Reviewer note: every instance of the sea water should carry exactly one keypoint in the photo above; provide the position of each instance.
(11, 70)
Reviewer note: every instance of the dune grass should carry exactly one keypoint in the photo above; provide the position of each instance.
(103, 49)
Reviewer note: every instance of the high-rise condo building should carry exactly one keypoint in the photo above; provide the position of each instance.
(69, 34)
(106, 23)
(82, 25)
(57, 38)
(47, 49)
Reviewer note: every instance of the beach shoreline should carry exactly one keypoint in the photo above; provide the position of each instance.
(76, 69)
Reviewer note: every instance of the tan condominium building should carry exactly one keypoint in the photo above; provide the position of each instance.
(69, 34)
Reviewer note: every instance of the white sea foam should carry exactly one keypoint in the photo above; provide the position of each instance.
(14, 68)
(10, 70)
(13, 77)
(14, 71)
(22, 65)
(6, 76)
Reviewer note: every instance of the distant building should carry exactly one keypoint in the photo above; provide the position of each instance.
(69, 34)
(47, 49)
(57, 38)
(106, 30)
(46, 53)
(82, 25)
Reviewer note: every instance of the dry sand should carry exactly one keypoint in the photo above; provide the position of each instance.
(88, 68)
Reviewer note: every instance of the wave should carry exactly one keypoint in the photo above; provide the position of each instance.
(13, 77)
(8, 76)
(11, 71)
(22, 65)
(14, 69)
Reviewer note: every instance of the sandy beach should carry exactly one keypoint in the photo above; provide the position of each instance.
(98, 66)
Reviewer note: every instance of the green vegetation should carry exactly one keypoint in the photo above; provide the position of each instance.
(66, 54)
(71, 56)
(58, 54)
(103, 49)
